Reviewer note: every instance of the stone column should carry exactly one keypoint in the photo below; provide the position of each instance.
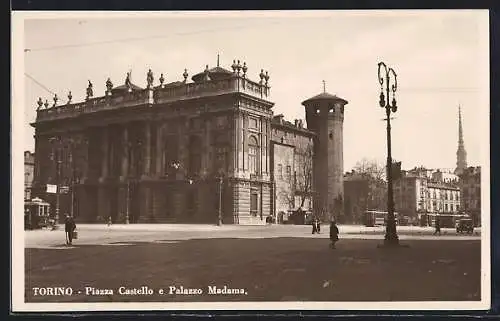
(104, 154)
(245, 142)
(147, 149)
(182, 150)
(103, 203)
(236, 138)
(159, 149)
(206, 160)
(144, 188)
(125, 151)
(84, 157)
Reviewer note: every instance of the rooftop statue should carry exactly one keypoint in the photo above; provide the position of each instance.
(150, 78)
(90, 90)
(128, 82)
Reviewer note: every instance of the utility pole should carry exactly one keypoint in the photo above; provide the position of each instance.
(127, 210)
(219, 221)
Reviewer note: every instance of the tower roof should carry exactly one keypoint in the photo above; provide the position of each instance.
(214, 73)
(325, 96)
(125, 88)
(461, 153)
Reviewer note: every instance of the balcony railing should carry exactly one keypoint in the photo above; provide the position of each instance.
(157, 95)
(93, 105)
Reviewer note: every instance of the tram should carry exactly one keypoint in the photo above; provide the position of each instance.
(446, 220)
(377, 218)
(36, 214)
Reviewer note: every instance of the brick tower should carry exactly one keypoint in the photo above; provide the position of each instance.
(325, 117)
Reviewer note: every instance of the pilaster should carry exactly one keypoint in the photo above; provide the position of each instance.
(159, 149)
(104, 154)
(147, 149)
(103, 203)
(125, 152)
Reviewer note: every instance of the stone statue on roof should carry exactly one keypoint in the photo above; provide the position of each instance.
(90, 90)
(128, 82)
(150, 78)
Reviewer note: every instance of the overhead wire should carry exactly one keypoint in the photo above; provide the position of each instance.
(123, 40)
(39, 83)
(139, 38)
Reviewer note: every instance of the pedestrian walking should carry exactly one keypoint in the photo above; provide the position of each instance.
(334, 234)
(109, 221)
(437, 225)
(314, 225)
(69, 228)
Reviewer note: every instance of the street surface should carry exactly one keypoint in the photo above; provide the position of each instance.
(268, 263)
(102, 233)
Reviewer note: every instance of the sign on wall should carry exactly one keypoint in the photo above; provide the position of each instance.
(52, 189)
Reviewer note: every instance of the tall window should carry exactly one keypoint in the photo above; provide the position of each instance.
(253, 203)
(195, 149)
(280, 171)
(253, 151)
(170, 154)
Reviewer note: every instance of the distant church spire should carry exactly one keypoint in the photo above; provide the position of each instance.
(461, 153)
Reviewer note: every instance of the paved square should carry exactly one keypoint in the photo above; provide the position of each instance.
(266, 263)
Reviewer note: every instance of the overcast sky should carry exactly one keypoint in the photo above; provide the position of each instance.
(441, 58)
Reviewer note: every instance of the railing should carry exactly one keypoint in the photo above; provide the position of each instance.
(222, 86)
(161, 95)
(93, 105)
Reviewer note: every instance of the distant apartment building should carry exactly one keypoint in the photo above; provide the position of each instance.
(443, 198)
(291, 164)
(29, 171)
(470, 187)
(421, 190)
(445, 176)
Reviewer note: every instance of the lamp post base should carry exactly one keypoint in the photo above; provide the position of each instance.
(391, 240)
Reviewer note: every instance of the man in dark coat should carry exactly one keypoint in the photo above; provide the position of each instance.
(334, 233)
(437, 225)
(314, 223)
(69, 228)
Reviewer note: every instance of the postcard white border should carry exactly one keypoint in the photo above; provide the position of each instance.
(17, 121)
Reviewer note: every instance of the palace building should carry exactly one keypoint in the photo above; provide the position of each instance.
(186, 151)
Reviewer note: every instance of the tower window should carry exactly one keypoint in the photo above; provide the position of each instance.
(330, 135)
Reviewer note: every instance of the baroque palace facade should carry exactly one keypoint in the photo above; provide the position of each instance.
(181, 151)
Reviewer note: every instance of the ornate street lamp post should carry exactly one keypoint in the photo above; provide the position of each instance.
(127, 205)
(56, 152)
(75, 179)
(219, 220)
(385, 75)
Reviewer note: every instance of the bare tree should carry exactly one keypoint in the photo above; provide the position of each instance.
(304, 174)
(371, 168)
(299, 180)
(375, 174)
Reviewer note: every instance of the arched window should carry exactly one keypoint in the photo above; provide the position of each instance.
(253, 151)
